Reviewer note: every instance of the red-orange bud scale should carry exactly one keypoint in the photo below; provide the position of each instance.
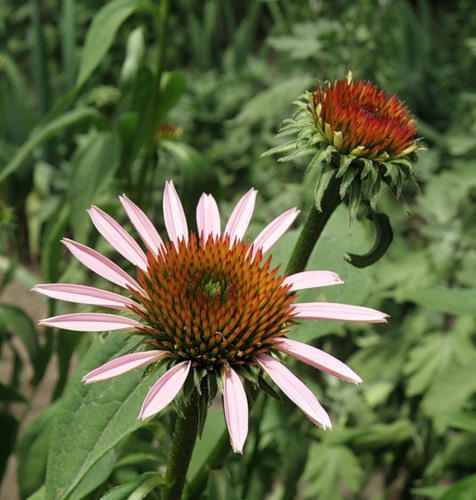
(368, 118)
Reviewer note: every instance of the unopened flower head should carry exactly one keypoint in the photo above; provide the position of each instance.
(208, 304)
(168, 131)
(355, 133)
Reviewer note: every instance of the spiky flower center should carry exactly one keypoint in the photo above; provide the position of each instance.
(358, 119)
(213, 302)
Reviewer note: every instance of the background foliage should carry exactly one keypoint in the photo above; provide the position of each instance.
(92, 105)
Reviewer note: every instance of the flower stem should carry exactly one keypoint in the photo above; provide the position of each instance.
(183, 442)
(313, 227)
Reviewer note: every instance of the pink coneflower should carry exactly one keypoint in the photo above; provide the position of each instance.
(206, 302)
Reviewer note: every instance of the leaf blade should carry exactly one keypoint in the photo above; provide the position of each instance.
(101, 33)
(92, 419)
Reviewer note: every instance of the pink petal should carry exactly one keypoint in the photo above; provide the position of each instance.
(317, 358)
(338, 312)
(118, 237)
(208, 217)
(143, 225)
(123, 365)
(295, 390)
(90, 322)
(165, 389)
(274, 230)
(84, 295)
(101, 265)
(241, 216)
(236, 409)
(312, 279)
(174, 216)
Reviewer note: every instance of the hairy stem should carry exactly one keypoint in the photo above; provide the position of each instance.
(183, 442)
(313, 227)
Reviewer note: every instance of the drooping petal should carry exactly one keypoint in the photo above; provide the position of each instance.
(241, 216)
(101, 265)
(118, 237)
(165, 389)
(174, 216)
(82, 294)
(274, 230)
(295, 390)
(317, 358)
(236, 409)
(143, 225)
(123, 365)
(312, 279)
(208, 217)
(90, 322)
(338, 312)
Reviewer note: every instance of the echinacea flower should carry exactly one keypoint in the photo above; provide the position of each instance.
(209, 304)
(355, 133)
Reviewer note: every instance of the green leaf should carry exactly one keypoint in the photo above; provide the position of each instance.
(371, 436)
(409, 270)
(451, 394)
(20, 272)
(381, 436)
(293, 462)
(93, 165)
(430, 491)
(43, 133)
(430, 360)
(68, 41)
(208, 453)
(32, 451)
(383, 360)
(136, 489)
(271, 103)
(65, 348)
(17, 117)
(172, 87)
(9, 426)
(463, 421)
(452, 301)
(212, 432)
(244, 38)
(101, 34)
(95, 477)
(52, 247)
(39, 494)
(92, 419)
(328, 466)
(329, 255)
(198, 175)
(134, 55)
(19, 323)
(149, 460)
(462, 490)
(220, 487)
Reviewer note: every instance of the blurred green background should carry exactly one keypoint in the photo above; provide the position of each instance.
(98, 99)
